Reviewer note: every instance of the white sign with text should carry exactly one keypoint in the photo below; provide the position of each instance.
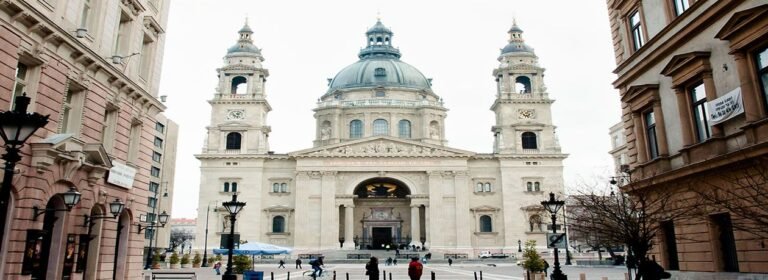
(725, 107)
(121, 175)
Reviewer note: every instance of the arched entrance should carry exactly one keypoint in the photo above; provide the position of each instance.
(382, 206)
(121, 246)
(52, 240)
(94, 242)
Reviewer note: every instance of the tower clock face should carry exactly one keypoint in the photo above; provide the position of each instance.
(526, 114)
(235, 115)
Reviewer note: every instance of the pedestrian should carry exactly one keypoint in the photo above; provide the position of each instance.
(415, 269)
(217, 267)
(394, 261)
(372, 269)
(450, 261)
(282, 264)
(546, 268)
(397, 251)
(298, 263)
(389, 261)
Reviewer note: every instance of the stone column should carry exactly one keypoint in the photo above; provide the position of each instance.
(349, 223)
(434, 224)
(415, 226)
(463, 219)
(710, 90)
(661, 129)
(427, 231)
(329, 218)
(302, 238)
(640, 137)
(752, 106)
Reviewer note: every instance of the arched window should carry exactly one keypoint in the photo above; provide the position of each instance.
(380, 127)
(529, 140)
(487, 187)
(523, 84)
(529, 186)
(404, 129)
(234, 187)
(535, 222)
(537, 186)
(485, 224)
(479, 187)
(239, 85)
(278, 224)
(283, 187)
(233, 141)
(356, 129)
(226, 186)
(276, 187)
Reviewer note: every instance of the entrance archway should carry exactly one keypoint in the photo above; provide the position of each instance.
(94, 242)
(382, 206)
(121, 246)
(52, 249)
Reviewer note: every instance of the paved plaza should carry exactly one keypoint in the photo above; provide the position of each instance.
(442, 271)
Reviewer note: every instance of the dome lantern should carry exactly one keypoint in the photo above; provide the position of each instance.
(516, 43)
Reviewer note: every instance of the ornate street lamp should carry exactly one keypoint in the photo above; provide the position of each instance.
(115, 208)
(519, 246)
(233, 207)
(15, 128)
(71, 198)
(553, 206)
(205, 248)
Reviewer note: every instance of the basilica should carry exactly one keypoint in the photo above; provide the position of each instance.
(378, 173)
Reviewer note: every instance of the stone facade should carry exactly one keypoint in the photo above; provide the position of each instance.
(94, 67)
(379, 173)
(676, 61)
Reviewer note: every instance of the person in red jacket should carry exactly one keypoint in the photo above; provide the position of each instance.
(415, 269)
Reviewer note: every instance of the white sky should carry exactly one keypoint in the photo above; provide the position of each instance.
(454, 42)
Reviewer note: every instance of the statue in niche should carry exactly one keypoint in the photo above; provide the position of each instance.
(325, 132)
(434, 131)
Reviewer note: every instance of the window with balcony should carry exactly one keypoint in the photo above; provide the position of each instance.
(636, 30)
(529, 140)
(233, 141)
(698, 97)
(356, 129)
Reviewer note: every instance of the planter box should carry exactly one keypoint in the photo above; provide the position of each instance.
(534, 276)
(186, 265)
(174, 266)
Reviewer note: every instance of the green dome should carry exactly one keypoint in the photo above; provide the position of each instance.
(379, 71)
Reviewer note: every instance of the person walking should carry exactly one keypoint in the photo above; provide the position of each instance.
(282, 264)
(546, 268)
(394, 261)
(372, 269)
(298, 263)
(450, 261)
(217, 268)
(316, 266)
(415, 268)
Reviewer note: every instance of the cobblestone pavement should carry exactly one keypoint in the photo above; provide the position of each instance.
(442, 272)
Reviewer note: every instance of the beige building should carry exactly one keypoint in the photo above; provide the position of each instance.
(618, 150)
(379, 173)
(94, 67)
(164, 139)
(693, 79)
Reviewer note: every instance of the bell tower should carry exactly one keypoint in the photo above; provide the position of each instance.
(239, 107)
(522, 105)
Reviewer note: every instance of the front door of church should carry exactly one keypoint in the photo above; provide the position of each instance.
(382, 236)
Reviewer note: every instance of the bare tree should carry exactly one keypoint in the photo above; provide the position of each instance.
(740, 189)
(179, 236)
(632, 218)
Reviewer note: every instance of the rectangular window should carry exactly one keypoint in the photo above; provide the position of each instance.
(158, 142)
(699, 102)
(650, 134)
(636, 29)
(681, 6)
(155, 172)
(153, 187)
(147, 51)
(20, 84)
(762, 72)
(151, 203)
(122, 36)
(151, 217)
(85, 15)
(149, 233)
(133, 145)
(160, 127)
(72, 111)
(156, 157)
(108, 131)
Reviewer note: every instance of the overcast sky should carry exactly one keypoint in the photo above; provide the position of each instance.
(454, 42)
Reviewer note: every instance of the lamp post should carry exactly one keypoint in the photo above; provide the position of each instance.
(15, 128)
(233, 207)
(553, 206)
(148, 264)
(205, 247)
(519, 246)
(565, 230)
(163, 219)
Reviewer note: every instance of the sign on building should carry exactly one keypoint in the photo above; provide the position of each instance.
(121, 175)
(725, 107)
(556, 240)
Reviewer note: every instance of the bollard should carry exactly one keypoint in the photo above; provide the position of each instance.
(272, 275)
(347, 275)
(433, 275)
(384, 274)
(390, 276)
(582, 276)
(604, 278)
(475, 275)
(289, 276)
(481, 275)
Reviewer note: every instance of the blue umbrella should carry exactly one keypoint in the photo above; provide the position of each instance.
(256, 248)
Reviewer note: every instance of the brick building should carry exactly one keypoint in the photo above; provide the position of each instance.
(94, 67)
(693, 79)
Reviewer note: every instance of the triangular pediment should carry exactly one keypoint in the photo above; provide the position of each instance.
(66, 145)
(681, 61)
(742, 21)
(382, 146)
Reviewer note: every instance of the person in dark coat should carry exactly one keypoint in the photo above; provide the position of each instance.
(546, 268)
(282, 264)
(450, 261)
(372, 269)
(298, 263)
